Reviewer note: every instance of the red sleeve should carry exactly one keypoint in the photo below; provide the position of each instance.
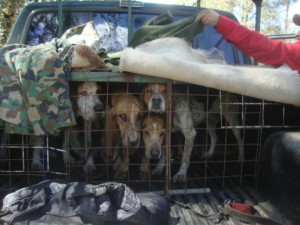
(258, 46)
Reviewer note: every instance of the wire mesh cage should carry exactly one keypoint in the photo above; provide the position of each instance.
(217, 133)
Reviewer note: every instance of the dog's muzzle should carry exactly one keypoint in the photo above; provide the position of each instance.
(89, 107)
(134, 142)
(99, 107)
(156, 103)
(131, 137)
(155, 153)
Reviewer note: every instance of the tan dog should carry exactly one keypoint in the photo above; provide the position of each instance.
(154, 95)
(189, 113)
(87, 105)
(154, 132)
(122, 131)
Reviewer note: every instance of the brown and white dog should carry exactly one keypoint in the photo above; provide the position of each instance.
(122, 131)
(189, 113)
(154, 132)
(87, 105)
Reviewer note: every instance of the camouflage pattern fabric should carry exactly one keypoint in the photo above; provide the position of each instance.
(34, 90)
(73, 30)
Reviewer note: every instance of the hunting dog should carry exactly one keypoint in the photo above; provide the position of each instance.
(189, 113)
(89, 107)
(153, 132)
(122, 131)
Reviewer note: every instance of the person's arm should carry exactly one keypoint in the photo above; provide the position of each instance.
(252, 43)
(258, 46)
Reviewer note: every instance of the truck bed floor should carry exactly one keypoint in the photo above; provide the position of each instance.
(209, 203)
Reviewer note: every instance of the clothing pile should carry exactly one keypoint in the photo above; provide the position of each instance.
(34, 88)
(58, 202)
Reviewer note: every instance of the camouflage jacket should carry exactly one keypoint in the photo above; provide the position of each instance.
(34, 91)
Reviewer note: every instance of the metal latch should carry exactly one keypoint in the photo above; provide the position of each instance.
(125, 3)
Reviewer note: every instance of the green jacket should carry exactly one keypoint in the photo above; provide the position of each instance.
(34, 88)
(163, 26)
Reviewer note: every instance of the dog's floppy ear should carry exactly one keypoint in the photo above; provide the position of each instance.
(142, 95)
(113, 100)
(144, 124)
(110, 128)
(111, 118)
(73, 95)
(99, 88)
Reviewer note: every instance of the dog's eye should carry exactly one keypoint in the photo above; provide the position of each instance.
(140, 116)
(148, 90)
(162, 134)
(123, 117)
(84, 93)
(146, 133)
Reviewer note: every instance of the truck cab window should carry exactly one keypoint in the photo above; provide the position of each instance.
(111, 28)
(43, 28)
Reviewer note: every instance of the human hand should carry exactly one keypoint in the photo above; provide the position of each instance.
(297, 35)
(296, 19)
(208, 17)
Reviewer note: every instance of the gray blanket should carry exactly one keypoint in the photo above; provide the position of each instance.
(174, 59)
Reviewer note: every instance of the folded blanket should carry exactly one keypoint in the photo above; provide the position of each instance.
(173, 58)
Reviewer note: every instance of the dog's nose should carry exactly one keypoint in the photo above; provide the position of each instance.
(155, 153)
(134, 142)
(98, 108)
(156, 100)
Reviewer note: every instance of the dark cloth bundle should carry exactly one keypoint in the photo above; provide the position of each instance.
(57, 202)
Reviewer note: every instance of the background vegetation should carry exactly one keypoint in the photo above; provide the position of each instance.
(275, 14)
(274, 20)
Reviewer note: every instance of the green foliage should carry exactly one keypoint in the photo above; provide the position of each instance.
(9, 11)
(271, 22)
(275, 14)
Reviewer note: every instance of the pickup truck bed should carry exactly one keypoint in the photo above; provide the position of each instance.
(210, 203)
(185, 207)
(267, 178)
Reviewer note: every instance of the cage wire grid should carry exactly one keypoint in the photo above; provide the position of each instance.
(222, 171)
